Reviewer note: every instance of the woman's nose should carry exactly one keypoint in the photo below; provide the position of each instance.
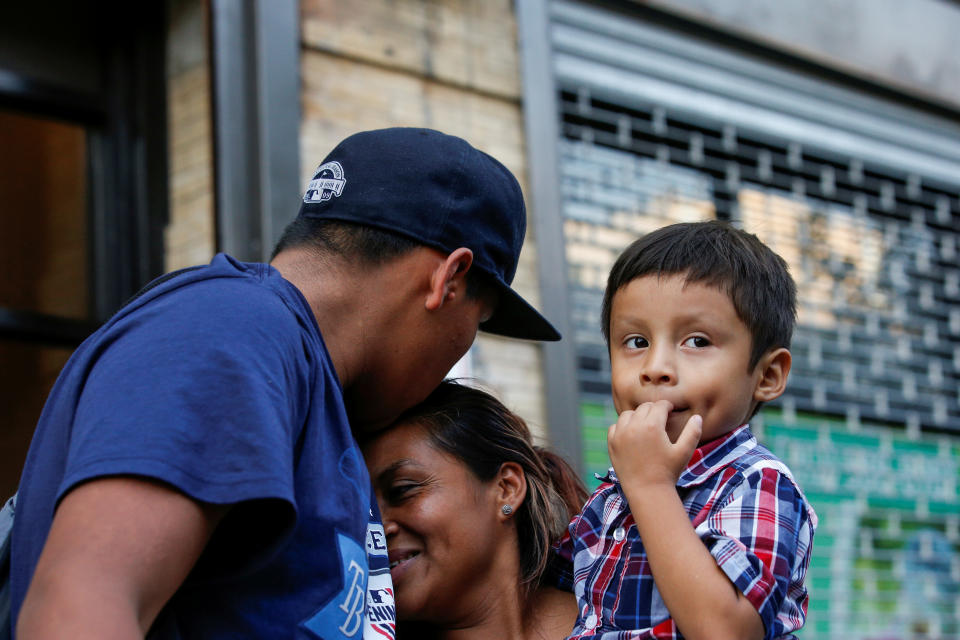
(390, 526)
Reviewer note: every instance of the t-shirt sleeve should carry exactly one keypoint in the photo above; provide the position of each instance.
(761, 538)
(197, 389)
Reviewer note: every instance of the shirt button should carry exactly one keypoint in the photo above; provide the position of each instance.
(619, 534)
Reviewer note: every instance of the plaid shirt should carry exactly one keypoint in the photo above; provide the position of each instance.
(746, 508)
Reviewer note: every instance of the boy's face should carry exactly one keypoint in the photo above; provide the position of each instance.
(682, 342)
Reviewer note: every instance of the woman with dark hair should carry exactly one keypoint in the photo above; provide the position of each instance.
(470, 509)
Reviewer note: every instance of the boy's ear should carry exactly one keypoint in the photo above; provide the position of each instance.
(449, 277)
(510, 489)
(774, 367)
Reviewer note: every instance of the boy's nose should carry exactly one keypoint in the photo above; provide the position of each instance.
(658, 368)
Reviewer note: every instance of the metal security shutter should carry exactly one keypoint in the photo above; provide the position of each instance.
(858, 189)
(859, 195)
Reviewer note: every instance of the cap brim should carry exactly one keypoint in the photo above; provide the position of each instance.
(514, 318)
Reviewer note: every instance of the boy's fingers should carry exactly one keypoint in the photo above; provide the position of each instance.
(658, 414)
(645, 416)
(689, 437)
(622, 418)
(657, 410)
(658, 406)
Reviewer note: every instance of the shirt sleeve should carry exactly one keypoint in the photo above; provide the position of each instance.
(761, 537)
(584, 530)
(197, 389)
(560, 565)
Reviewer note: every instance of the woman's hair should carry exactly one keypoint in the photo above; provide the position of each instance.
(478, 430)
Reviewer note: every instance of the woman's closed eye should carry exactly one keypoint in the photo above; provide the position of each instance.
(400, 491)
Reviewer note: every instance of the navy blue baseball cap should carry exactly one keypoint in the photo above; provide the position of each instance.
(441, 192)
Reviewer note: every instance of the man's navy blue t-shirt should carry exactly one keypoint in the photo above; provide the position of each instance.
(218, 383)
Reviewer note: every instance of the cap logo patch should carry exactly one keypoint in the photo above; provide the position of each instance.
(327, 182)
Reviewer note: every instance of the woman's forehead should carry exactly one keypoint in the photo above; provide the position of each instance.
(404, 444)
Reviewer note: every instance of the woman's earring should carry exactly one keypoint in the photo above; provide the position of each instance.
(506, 509)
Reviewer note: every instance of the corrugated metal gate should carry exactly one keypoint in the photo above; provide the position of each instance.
(861, 196)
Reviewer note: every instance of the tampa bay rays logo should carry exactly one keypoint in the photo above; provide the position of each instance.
(363, 608)
(327, 182)
(343, 616)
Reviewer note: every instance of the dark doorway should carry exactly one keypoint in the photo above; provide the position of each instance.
(82, 188)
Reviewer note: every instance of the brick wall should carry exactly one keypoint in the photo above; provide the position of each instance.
(189, 236)
(450, 66)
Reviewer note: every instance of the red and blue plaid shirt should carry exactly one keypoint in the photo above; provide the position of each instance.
(746, 508)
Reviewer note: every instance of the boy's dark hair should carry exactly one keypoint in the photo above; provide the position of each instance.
(369, 245)
(716, 254)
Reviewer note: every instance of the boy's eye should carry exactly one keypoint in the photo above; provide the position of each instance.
(636, 342)
(697, 342)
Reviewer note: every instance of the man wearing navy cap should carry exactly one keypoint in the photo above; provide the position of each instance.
(195, 473)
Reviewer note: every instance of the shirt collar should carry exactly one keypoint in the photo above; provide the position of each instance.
(709, 458)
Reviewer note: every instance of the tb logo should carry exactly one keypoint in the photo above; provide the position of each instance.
(343, 615)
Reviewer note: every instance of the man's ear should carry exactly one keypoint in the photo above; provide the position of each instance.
(774, 368)
(510, 490)
(449, 278)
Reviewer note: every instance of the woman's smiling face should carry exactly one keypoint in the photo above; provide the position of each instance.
(441, 525)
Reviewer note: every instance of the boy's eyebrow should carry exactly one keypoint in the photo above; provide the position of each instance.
(694, 315)
(624, 316)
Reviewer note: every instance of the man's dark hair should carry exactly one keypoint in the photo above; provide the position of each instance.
(368, 245)
(716, 254)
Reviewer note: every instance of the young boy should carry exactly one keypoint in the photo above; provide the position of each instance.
(698, 529)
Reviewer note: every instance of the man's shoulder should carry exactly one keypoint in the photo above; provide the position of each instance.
(222, 274)
(226, 291)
